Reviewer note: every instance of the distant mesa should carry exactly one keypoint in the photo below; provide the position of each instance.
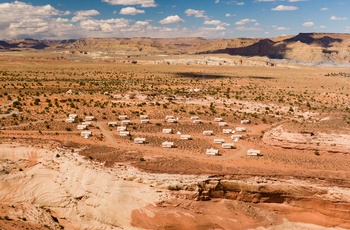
(315, 48)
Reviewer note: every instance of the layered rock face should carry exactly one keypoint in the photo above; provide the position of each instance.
(314, 48)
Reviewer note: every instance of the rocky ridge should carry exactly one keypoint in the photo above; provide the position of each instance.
(314, 48)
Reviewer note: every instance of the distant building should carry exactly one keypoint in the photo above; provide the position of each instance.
(145, 121)
(144, 117)
(125, 122)
(112, 123)
(194, 118)
(208, 132)
(139, 140)
(219, 141)
(81, 127)
(245, 121)
(122, 117)
(240, 129)
(185, 137)
(86, 134)
(89, 118)
(228, 145)
(213, 152)
(124, 133)
(121, 128)
(169, 117)
(167, 131)
(171, 120)
(69, 120)
(222, 123)
(87, 123)
(227, 131)
(253, 152)
(218, 119)
(196, 121)
(72, 116)
(167, 144)
(236, 137)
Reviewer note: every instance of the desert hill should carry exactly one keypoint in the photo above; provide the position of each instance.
(316, 48)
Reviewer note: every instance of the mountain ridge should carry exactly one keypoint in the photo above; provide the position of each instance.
(304, 47)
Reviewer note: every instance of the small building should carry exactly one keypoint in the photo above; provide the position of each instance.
(112, 123)
(125, 122)
(218, 119)
(171, 120)
(227, 131)
(236, 137)
(167, 144)
(122, 117)
(169, 117)
(228, 145)
(167, 131)
(240, 129)
(194, 118)
(89, 118)
(121, 128)
(69, 120)
(253, 152)
(86, 134)
(212, 152)
(124, 133)
(81, 127)
(144, 117)
(185, 137)
(87, 123)
(139, 140)
(197, 122)
(145, 121)
(245, 121)
(208, 132)
(222, 123)
(219, 141)
(72, 116)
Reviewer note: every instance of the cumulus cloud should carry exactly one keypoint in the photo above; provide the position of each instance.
(335, 18)
(324, 9)
(297, 0)
(171, 20)
(142, 3)
(131, 11)
(245, 21)
(284, 8)
(265, 0)
(84, 14)
(282, 28)
(308, 24)
(195, 13)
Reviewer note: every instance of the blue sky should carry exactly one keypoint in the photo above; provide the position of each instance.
(63, 19)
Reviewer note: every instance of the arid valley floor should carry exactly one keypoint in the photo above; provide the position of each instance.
(51, 177)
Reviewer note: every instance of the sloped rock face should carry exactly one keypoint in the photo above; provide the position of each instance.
(321, 200)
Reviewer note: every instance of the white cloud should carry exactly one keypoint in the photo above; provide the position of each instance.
(171, 19)
(308, 24)
(338, 19)
(282, 28)
(324, 9)
(142, 3)
(284, 8)
(84, 14)
(297, 0)
(245, 21)
(265, 0)
(131, 11)
(195, 13)
(228, 15)
(217, 1)
(240, 3)
(212, 22)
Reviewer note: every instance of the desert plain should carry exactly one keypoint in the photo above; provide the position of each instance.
(295, 112)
